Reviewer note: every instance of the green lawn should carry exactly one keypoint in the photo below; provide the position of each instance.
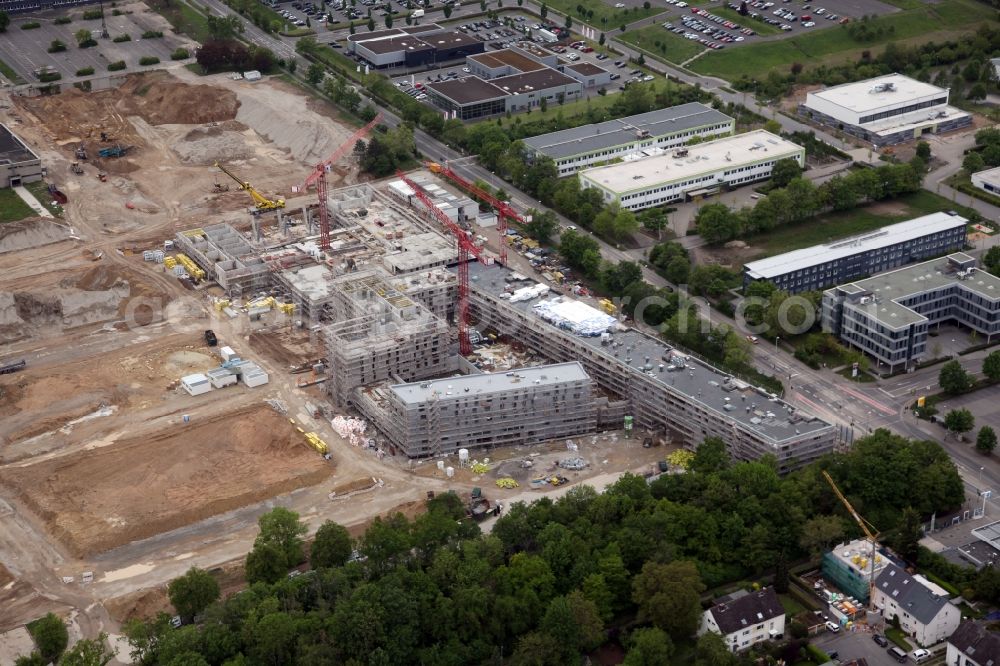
(831, 226)
(602, 15)
(791, 606)
(10, 73)
(12, 207)
(898, 637)
(184, 18)
(759, 27)
(41, 191)
(833, 43)
(662, 44)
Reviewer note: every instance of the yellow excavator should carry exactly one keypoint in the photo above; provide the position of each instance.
(263, 204)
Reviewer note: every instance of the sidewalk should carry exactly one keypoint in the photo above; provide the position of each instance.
(30, 199)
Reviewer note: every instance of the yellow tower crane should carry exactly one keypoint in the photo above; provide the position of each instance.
(867, 528)
(263, 204)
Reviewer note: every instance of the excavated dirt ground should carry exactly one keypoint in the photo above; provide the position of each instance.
(54, 302)
(139, 487)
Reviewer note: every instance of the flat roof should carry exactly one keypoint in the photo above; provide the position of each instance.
(312, 282)
(467, 90)
(12, 149)
(449, 39)
(405, 30)
(421, 250)
(610, 133)
(507, 57)
(541, 79)
(781, 264)
(699, 382)
(453, 388)
(861, 96)
(713, 156)
(399, 43)
(586, 68)
(991, 176)
(914, 120)
(908, 281)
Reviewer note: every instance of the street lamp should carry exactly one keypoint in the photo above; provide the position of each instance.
(776, 338)
(981, 476)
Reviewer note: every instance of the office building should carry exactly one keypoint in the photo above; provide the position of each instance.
(885, 110)
(525, 406)
(896, 245)
(692, 172)
(413, 46)
(472, 97)
(988, 180)
(582, 147)
(888, 316)
(923, 609)
(18, 163)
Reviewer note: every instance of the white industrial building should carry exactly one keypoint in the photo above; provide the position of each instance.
(692, 172)
(599, 143)
(988, 181)
(885, 110)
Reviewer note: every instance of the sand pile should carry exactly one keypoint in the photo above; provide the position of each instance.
(160, 99)
(308, 136)
(206, 145)
(30, 233)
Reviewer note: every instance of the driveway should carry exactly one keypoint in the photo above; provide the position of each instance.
(854, 645)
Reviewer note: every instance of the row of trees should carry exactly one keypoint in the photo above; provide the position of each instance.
(986, 153)
(217, 55)
(801, 199)
(557, 578)
(51, 640)
(955, 380)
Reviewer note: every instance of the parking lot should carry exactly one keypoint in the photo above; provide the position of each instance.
(855, 645)
(26, 51)
(764, 19)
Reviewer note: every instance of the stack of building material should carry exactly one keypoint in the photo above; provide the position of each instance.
(351, 429)
(574, 316)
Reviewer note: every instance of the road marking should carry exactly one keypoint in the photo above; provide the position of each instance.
(874, 403)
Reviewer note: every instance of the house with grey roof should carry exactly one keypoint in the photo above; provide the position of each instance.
(973, 644)
(746, 620)
(924, 609)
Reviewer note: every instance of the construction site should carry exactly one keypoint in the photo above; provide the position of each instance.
(229, 316)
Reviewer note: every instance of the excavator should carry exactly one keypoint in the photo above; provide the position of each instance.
(263, 204)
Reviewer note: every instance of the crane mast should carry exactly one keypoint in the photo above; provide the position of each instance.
(466, 250)
(263, 204)
(864, 525)
(318, 176)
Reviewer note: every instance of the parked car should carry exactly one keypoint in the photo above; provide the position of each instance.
(881, 640)
(833, 626)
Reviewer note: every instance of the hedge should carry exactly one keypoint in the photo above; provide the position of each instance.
(117, 66)
(149, 60)
(85, 71)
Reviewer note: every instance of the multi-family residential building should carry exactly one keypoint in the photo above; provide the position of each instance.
(888, 316)
(851, 567)
(822, 266)
(691, 172)
(746, 620)
(646, 133)
(923, 609)
(885, 110)
(973, 644)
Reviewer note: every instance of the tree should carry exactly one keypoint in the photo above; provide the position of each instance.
(710, 456)
(986, 440)
(33, 659)
(83, 37)
(716, 223)
(924, 151)
(909, 534)
(4, 21)
(447, 11)
(265, 563)
(89, 653)
(543, 11)
(648, 646)
(959, 420)
(669, 596)
(677, 270)
(773, 126)
(192, 593)
(281, 528)
(315, 73)
(332, 546)
(542, 225)
(50, 636)
(388, 20)
(819, 533)
(223, 28)
(991, 364)
(601, 39)
(973, 162)
(711, 650)
(371, 24)
(953, 378)
(784, 171)
(977, 91)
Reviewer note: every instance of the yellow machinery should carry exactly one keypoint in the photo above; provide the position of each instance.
(169, 262)
(287, 308)
(607, 306)
(864, 525)
(317, 443)
(221, 304)
(263, 204)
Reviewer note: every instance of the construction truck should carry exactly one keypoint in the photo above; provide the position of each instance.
(479, 507)
(262, 203)
(81, 152)
(76, 168)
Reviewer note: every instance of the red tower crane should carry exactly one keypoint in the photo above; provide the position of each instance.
(318, 176)
(503, 208)
(466, 250)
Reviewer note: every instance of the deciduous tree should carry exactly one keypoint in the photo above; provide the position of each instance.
(331, 547)
(193, 592)
(986, 440)
(953, 378)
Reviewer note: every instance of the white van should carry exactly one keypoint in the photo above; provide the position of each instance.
(897, 654)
